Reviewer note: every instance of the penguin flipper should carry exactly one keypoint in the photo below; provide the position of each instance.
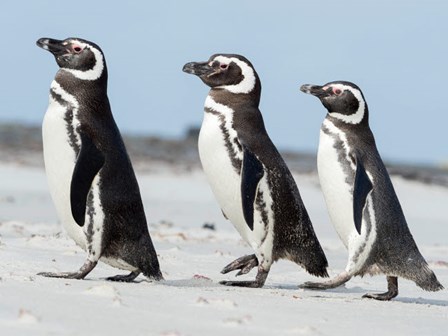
(89, 162)
(251, 174)
(361, 189)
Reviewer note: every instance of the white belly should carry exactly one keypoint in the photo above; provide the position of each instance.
(221, 175)
(337, 192)
(60, 159)
(338, 196)
(226, 187)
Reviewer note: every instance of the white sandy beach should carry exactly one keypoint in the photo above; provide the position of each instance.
(190, 301)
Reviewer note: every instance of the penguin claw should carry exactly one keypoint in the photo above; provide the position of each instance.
(244, 264)
(259, 281)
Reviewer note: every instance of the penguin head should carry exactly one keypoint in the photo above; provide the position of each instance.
(233, 73)
(343, 100)
(81, 58)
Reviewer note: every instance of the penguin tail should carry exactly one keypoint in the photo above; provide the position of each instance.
(313, 262)
(318, 270)
(427, 280)
(157, 276)
(151, 269)
(144, 257)
(150, 264)
(416, 269)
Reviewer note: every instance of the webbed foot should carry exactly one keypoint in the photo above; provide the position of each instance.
(259, 281)
(83, 271)
(124, 278)
(392, 291)
(332, 283)
(244, 264)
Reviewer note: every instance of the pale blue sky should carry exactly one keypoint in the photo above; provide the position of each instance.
(396, 51)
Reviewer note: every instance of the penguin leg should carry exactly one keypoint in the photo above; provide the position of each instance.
(392, 290)
(259, 281)
(93, 255)
(124, 278)
(244, 264)
(80, 274)
(332, 283)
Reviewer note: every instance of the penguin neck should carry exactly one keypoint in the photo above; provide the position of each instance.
(76, 86)
(236, 101)
(360, 119)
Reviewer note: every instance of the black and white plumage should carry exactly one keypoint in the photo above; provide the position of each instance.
(247, 175)
(90, 175)
(360, 197)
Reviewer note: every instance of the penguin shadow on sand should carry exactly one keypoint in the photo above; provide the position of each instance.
(192, 283)
(345, 291)
(422, 301)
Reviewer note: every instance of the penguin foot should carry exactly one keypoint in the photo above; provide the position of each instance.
(244, 264)
(124, 278)
(83, 271)
(332, 283)
(392, 291)
(257, 283)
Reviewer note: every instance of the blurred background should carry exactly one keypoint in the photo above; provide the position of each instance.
(396, 51)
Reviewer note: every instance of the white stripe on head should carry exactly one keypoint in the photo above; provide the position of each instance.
(249, 79)
(356, 117)
(97, 69)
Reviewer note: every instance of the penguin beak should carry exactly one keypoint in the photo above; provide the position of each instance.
(315, 90)
(56, 47)
(199, 69)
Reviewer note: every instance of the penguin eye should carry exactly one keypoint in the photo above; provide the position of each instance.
(223, 66)
(337, 91)
(77, 49)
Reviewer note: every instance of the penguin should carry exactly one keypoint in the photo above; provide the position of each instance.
(247, 175)
(90, 175)
(360, 197)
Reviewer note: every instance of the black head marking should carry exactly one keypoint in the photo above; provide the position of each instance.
(230, 72)
(343, 100)
(82, 58)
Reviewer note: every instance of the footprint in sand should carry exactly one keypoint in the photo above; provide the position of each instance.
(106, 291)
(25, 316)
(305, 330)
(237, 321)
(221, 303)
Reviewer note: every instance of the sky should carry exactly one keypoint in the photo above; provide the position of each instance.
(396, 51)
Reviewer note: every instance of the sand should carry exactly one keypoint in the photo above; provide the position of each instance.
(190, 301)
